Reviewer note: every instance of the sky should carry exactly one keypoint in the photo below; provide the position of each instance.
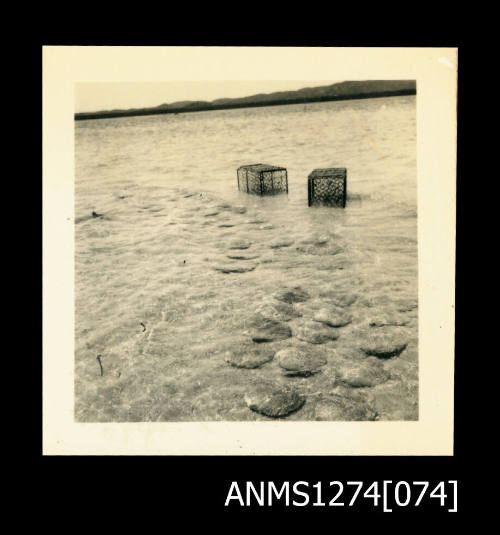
(108, 96)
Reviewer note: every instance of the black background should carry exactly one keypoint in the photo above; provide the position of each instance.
(179, 492)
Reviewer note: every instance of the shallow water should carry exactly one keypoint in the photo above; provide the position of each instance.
(154, 297)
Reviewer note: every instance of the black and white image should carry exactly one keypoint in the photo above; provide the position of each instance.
(200, 299)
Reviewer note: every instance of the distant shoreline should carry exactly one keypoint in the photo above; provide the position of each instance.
(84, 116)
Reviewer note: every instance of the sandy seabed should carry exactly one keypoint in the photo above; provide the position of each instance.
(231, 295)
(207, 304)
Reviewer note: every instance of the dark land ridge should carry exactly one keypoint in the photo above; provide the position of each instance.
(337, 91)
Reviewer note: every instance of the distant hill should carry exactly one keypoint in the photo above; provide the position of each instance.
(337, 91)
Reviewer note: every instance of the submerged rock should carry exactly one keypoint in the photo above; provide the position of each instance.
(292, 295)
(388, 317)
(395, 305)
(344, 300)
(242, 257)
(321, 249)
(234, 268)
(407, 306)
(333, 318)
(339, 298)
(320, 240)
(239, 244)
(267, 329)
(274, 401)
(315, 333)
(239, 209)
(384, 321)
(384, 342)
(299, 362)
(386, 349)
(369, 372)
(248, 357)
(339, 355)
(278, 244)
(278, 310)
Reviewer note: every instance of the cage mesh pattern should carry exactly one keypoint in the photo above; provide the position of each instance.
(262, 179)
(328, 187)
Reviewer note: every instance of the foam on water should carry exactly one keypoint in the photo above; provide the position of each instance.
(179, 250)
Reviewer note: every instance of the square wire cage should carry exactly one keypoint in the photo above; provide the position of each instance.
(262, 179)
(328, 187)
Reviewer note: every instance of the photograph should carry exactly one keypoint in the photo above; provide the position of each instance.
(248, 250)
(246, 257)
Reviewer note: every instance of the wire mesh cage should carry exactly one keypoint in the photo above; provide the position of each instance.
(327, 186)
(262, 179)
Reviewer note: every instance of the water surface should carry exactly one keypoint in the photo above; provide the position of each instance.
(153, 302)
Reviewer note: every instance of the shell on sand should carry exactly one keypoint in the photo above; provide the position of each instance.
(366, 373)
(278, 310)
(234, 268)
(239, 244)
(332, 317)
(299, 361)
(248, 357)
(384, 342)
(274, 401)
(265, 329)
(292, 295)
(315, 333)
